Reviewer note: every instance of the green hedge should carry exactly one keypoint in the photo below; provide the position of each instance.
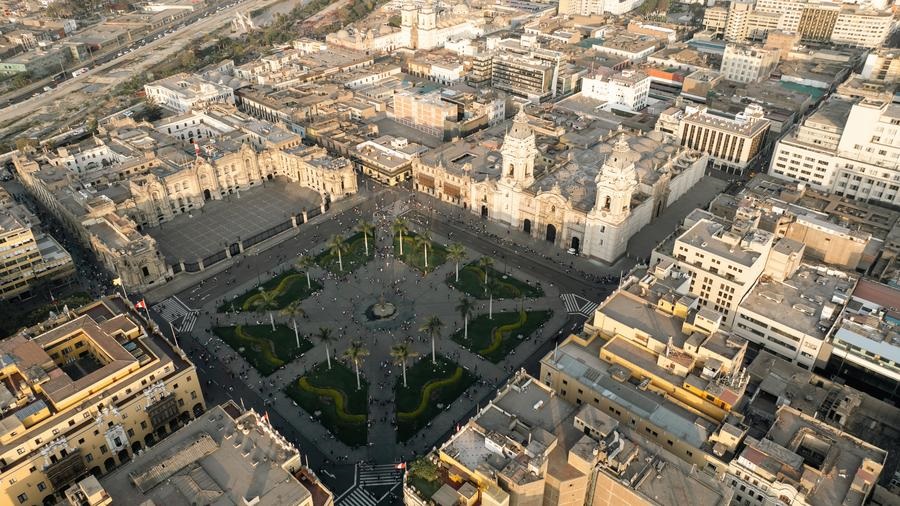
(426, 395)
(498, 333)
(339, 398)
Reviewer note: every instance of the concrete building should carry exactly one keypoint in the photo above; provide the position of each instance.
(733, 144)
(804, 461)
(882, 65)
(862, 28)
(747, 64)
(90, 392)
(424, 111)
(635, 47)
(225, 456)
(851, 149)
(793, 317)
(590, 7)
(28, 257)
(866, 340)
(182, 92)
(626, 90)
(530, 446)
(570, 200)
(387, 159)
(724, 262)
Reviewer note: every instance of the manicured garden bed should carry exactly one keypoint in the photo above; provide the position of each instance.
(332, 397)
(353, 258)
(288, 286)
(471, 282)
(494, 339)
(414, 256)
(430, 389)
(264, 349)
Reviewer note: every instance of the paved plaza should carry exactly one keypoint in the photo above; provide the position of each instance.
(221, 222)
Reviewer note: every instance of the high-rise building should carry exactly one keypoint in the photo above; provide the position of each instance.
(27, 256)
(85, 396)
(851, 149)
(747, 64)
(882, 65)
(627, 89)
(733, 144)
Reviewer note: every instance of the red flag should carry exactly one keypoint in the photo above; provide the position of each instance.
(401, 465)
(140, 304)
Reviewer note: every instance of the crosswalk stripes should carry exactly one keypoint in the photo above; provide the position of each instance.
(384, 474)
(575, 304)
(357, 497)
(173, 309)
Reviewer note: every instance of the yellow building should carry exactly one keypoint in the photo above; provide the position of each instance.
(84, 396)
(27, 256)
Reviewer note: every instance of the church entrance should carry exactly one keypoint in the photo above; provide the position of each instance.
(551, 233)
(526, 227)
(484, 211)
(576, 243)
(206, 195)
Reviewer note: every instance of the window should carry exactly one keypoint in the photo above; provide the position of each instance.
(22, 498)
(88, 457)
(102, 449)
(41, 486)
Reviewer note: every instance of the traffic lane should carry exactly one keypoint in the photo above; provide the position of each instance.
(544, 269)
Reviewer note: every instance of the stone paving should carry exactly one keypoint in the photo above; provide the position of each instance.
(340, 305)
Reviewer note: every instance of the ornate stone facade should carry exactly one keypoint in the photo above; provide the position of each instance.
(591, 200)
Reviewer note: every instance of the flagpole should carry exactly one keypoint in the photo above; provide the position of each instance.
(174, 337)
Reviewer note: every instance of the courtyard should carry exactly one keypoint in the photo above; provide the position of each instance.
(219, 223)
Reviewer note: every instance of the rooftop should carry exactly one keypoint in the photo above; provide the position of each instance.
(223, 457)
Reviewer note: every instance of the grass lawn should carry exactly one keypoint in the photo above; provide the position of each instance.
(264, 349)
(471, 282)
(414, 411)
(289, 286)
(354, 257)
(481, 333)
(415, 257)
(342, 408)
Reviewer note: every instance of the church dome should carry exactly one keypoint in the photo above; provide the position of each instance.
(520, 129)
(342, 34)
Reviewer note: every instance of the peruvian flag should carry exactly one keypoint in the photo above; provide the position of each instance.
(140, 304)
(401, 465)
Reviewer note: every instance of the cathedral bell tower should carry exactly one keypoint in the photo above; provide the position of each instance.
(616, 183)
(519, 152)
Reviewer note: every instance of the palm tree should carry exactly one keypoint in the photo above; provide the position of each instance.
(485, 263)
(491, 286)
(324, 336)
(304, 263)
(293, 310)
(265, 301)
(356, 353)
(456, 253)
(337, 246)
(402, 354)
(465, 308)
(366, 227)
(399, 227)
(432, 327)
(423, 240)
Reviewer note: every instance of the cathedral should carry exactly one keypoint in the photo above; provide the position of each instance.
(590, 200)
(420, 28)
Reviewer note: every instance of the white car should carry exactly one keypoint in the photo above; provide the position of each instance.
(572, 251)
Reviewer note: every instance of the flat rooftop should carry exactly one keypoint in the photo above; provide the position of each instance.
(218, 458)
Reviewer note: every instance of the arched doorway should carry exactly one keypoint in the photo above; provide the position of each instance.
(148, 440)
(551, 233)
(197, 409)
(96, 471)
(49, 500)
(207, 195)
(123, 456)
(526, 226)
(576, 243)
(135, 447)
(269, 177)
(109, 464)
(484, 212)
